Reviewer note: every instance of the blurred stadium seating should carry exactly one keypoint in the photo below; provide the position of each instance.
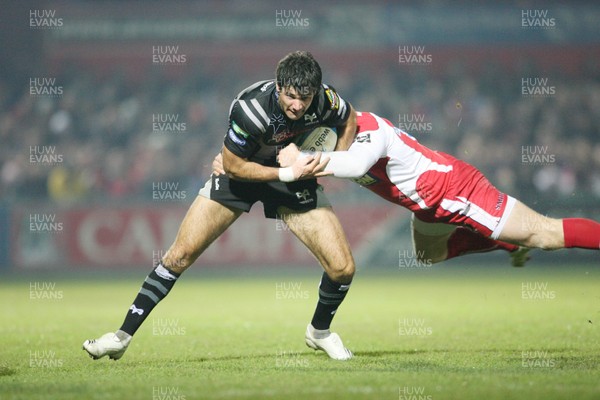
(469, 98)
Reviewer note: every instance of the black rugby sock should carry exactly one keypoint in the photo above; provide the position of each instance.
(331, 295)
(156, 286)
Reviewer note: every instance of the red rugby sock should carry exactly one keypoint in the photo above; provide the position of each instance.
(582, 233)
(465, 241)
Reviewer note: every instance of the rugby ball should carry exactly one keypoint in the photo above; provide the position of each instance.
(323, 138)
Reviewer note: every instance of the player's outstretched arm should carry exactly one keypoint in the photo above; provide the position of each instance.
(367, 149)
(242, 169)
(353, 163)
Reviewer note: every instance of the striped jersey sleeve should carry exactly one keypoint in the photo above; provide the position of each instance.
(333, 107)
(248, 121)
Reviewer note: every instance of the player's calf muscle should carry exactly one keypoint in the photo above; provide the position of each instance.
(528, 228)
(549, 238)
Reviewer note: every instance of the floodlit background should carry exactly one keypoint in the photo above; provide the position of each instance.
(111, 112)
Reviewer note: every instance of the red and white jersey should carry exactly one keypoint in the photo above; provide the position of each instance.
(436, 186)
(393, 164)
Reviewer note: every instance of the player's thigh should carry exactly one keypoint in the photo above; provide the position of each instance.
(204, 222)
(320, 230)
(430, 240)
(527, 227)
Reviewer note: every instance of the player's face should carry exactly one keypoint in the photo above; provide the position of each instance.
(294, 103)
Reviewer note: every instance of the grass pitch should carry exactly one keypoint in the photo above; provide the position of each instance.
(446, 333)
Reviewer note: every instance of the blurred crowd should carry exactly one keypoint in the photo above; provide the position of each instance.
(112, 138)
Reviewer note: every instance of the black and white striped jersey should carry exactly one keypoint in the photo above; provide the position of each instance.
(258, 127)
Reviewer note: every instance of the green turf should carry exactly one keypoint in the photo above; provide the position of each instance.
(439, 334)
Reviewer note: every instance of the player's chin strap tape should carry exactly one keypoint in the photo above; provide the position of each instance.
(286, 174)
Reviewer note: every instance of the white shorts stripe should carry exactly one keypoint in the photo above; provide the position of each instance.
(510, 204)
(464, 207)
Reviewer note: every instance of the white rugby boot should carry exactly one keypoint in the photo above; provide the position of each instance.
(330, 344)
(107, 345)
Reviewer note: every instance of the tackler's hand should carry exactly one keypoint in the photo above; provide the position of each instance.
(288, 155)
(217, 165)
(310, 167)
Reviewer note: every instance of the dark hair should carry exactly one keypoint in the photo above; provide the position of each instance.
(299, 70)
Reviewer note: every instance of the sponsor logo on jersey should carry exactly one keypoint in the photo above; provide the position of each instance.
(333, 98)
(310, 117)
(366, 180)
(235, 138)
(304, 196)
(280, 131)
(278, 123)
(239, 130)
(363, 138)
(265, 86)
(282, 137)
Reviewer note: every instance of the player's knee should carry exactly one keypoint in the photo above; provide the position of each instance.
(343, 272)
(178, 259)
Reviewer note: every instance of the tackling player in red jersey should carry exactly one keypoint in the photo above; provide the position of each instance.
(456, 210)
